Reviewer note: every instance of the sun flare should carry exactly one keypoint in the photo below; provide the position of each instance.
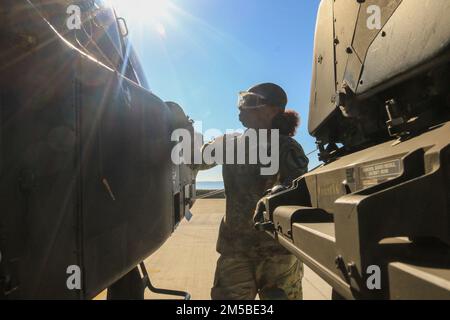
(153, 13)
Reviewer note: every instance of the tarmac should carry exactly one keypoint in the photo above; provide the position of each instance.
(187, 260)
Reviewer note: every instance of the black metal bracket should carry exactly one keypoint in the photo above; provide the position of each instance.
(148, 284)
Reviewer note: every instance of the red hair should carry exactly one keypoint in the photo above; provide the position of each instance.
(287, 122)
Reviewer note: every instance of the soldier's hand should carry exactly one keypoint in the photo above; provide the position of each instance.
(258, 216)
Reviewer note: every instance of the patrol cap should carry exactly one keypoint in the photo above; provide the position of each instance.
(262, 95)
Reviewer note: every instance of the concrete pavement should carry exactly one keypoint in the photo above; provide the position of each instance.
(187, 260)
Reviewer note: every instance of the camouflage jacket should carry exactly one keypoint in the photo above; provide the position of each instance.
(244, 187)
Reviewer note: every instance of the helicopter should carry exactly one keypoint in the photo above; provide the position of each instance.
(88, 190)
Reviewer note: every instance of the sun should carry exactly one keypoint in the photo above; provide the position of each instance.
(143, 9)
(152, 13)
(161, 29)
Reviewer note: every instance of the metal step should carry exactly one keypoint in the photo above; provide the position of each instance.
(413, 282)
(314, 243)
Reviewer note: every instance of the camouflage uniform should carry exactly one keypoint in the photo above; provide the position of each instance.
(273, 278)
(251, 261)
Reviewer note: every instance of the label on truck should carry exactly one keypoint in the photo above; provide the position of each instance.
(379, 172)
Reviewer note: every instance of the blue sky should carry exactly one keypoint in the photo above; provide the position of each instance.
(201, 53)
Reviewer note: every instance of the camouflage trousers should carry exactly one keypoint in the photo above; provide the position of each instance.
(273, 278)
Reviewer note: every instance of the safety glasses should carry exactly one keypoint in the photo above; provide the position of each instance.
(249, 100)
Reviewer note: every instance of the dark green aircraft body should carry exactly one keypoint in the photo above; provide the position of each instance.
(86, 177)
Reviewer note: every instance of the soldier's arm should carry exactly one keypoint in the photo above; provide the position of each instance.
(218, 143)
(204, 165)
(293, 162)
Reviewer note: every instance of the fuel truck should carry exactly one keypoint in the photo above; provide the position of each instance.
(373, 220)
(88, 189)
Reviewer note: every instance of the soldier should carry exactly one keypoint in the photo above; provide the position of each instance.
(252, 262)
